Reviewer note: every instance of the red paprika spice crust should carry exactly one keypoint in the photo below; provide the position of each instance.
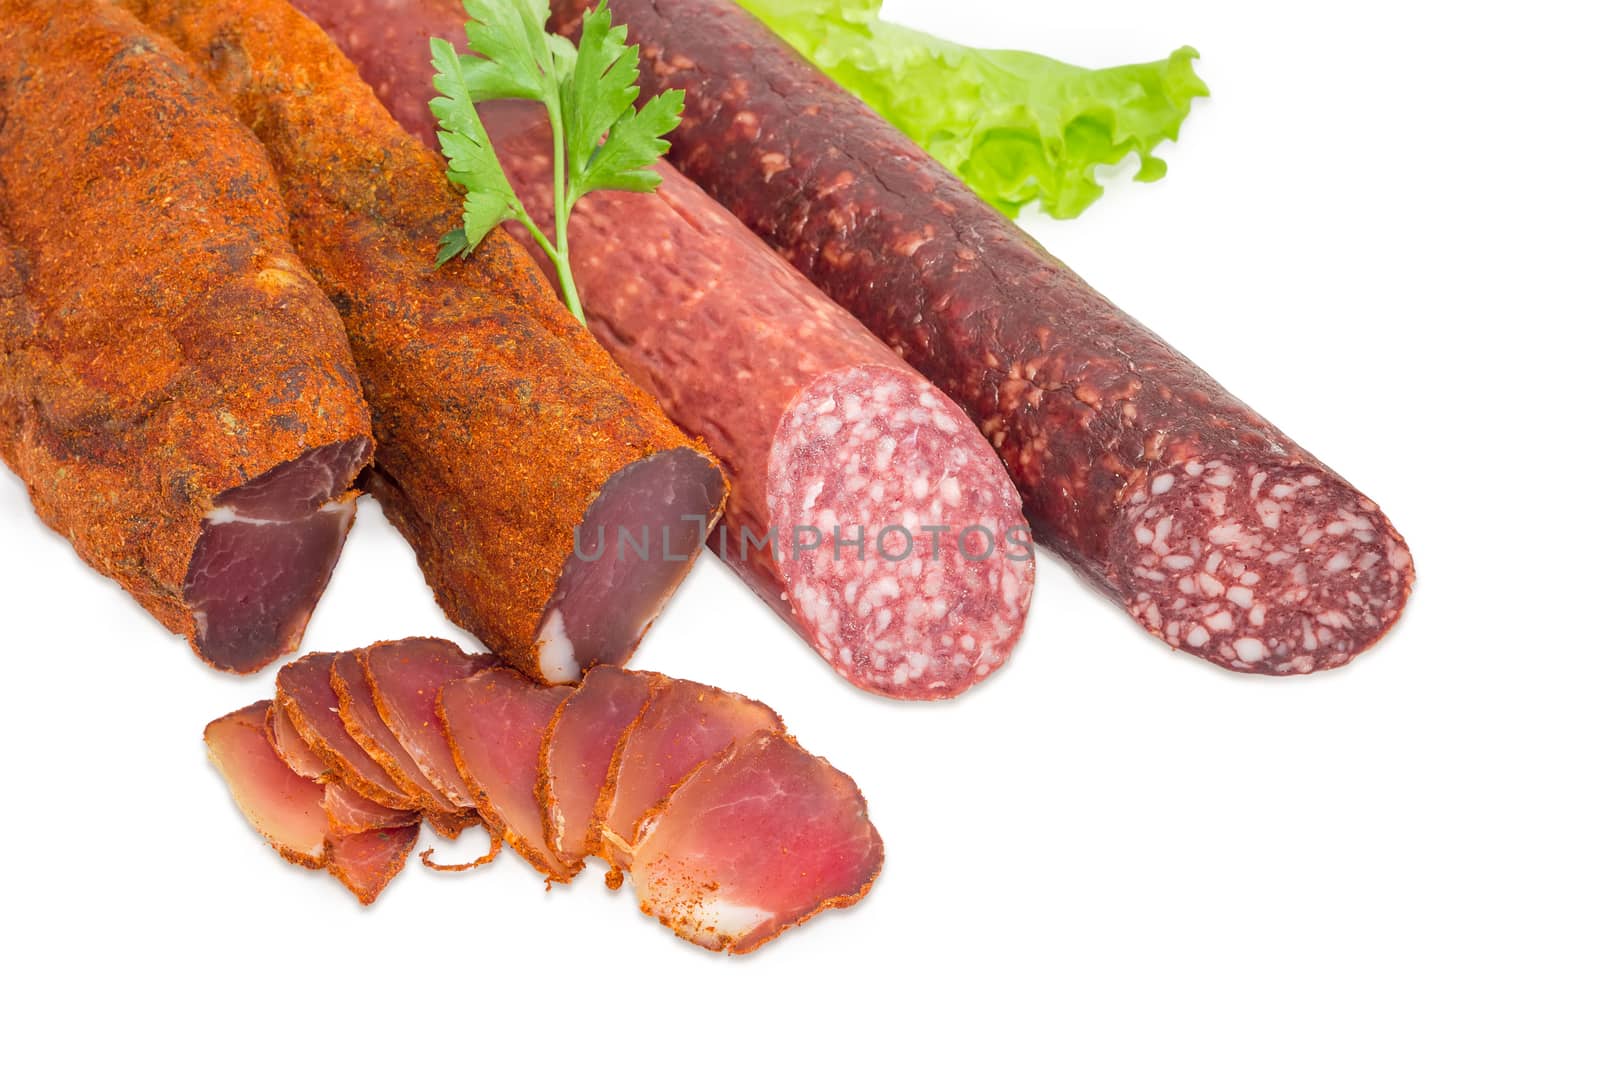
(174, 389)
(502, 425)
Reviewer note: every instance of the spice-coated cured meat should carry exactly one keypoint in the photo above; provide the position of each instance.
(509, 444)
(175, 390)
(1212, 528)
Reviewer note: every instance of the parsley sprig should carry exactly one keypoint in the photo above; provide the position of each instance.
(600, 141)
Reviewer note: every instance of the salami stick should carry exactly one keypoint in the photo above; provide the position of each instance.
(1211, 527)
(821, 425)
(174, 389)
(510, 447)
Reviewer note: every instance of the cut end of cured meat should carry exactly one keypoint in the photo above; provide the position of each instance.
(285, 808)
(1262, 569)
(265, 553)
(637, 542)
(753, 843)
(575, 759)
(906, 558)
(495, 721)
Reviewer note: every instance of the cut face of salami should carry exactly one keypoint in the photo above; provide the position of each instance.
(1107, 430)
(920, 571)
(754, 842)
(818, 423)
(1265, 569)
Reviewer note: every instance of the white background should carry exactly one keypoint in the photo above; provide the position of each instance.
(1110, 859)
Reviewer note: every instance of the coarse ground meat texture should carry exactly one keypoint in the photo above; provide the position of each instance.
(1211, 527)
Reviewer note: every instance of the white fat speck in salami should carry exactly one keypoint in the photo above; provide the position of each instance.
(1318, 577)
(920, 589)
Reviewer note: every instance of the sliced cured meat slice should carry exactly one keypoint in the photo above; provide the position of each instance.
(495, 721)
(575, 759)
(292, 749)
(819, 423)
(457, 359)
(753, 843)
(358, 713)
(307, 697)
(176, 392)
(1106, 429)
(365, 862)
(405, 677)
(349, 812)
(285, 808)
(682, 726)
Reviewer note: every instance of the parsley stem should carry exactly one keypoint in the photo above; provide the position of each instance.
(563, 254)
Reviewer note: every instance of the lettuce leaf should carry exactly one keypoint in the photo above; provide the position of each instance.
(1017, 127)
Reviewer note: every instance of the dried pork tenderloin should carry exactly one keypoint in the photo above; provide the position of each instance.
(292, 748)
(366, 861)
(306, 695)
(734, 832)
(575, 758)
(1214, 530)
(865, 508)
(309, 824)
(495, 722)
(510, 447)
(755, 842)
(175, 390)
(285, 808)
(682, 726)
(406, 677)
(358, 712)
(349, 812)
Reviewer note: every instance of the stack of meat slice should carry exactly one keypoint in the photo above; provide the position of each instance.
(731, 831)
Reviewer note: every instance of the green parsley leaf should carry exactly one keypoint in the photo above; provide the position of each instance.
(600, 141)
